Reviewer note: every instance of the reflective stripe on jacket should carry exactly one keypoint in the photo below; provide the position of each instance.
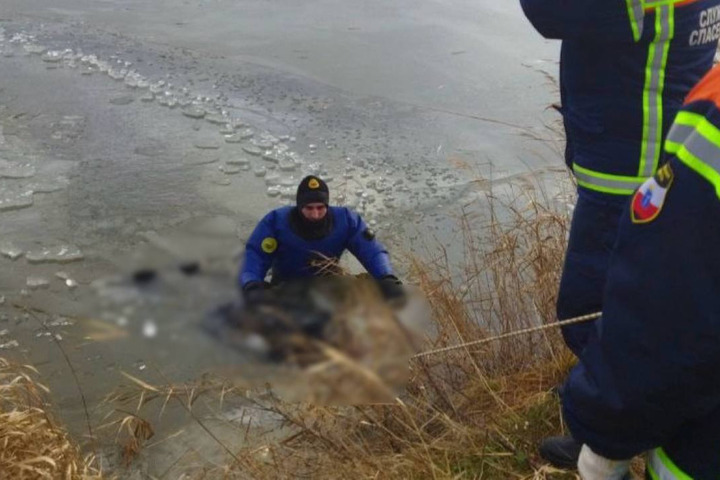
(625, 68)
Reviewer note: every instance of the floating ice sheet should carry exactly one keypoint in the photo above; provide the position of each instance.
(287, 165)
(10, 250)
(8, 345)
(35, 49)
(52, 56)
(216, 119)
(15, 200)
(273, 157)
(60, 322)
(262, 143)
(207, 145)
(234, 138)
(238, 161)
(67, 280)
(49, 186)
(122, 100)
(15, 169)
(59, 254)
(229, 169)
(252, 150)
(35, 282)
(194, 112)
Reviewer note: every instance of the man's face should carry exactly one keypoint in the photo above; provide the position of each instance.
(314, 211)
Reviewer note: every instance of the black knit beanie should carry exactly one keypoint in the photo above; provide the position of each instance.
(312, 190)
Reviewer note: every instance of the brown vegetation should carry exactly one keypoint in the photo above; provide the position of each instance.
(32, 444)
(465, 413)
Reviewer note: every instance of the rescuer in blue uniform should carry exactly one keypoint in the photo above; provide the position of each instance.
(649, 377)
(625, 68)
(304, 241)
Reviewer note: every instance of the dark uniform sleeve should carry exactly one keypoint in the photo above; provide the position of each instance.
(366, 248)
(610, 20)
(653, 364)
(259, 251)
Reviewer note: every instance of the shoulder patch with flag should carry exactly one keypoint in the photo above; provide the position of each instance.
(650, 197)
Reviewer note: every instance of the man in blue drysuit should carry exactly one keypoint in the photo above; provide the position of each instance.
(303, 241)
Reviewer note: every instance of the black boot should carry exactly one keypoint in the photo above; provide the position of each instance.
(561, 452)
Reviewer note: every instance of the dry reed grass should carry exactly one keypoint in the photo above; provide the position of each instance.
(467, 413)
(32, 444)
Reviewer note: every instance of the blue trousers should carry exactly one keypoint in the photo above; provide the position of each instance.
(593, 232)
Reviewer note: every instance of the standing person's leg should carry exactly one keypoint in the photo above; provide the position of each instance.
(592, 237)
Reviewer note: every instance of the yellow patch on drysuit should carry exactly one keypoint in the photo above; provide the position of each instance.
(269, 245)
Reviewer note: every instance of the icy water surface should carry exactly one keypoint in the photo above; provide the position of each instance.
(147, 134)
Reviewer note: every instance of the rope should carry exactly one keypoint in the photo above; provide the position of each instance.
(517, 333)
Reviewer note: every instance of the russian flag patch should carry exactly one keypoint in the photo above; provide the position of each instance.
(648, 200)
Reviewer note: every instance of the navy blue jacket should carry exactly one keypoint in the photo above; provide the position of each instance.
(624, 73)
(650, 375)
(273, 244)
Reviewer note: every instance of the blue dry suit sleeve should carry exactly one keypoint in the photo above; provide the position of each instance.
(651, 366)
(607, 20)
(256, 262)
(366, 248)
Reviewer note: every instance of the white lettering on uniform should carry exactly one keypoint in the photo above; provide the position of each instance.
(709, 28)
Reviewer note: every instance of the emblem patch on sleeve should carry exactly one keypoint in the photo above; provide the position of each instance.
(269, 245)
(650, 197)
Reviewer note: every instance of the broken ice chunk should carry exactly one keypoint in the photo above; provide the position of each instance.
(59, 254)
(15, 169)
(16, 200)
(35, 282)
(10, 250)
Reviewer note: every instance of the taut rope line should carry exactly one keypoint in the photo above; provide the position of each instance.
(517, 333)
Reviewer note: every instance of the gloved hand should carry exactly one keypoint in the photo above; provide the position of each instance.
(391, 287)
(592, 466)
(253, 292)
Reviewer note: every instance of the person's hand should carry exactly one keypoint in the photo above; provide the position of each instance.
(253, 292)
(391, 287)
(592, 466)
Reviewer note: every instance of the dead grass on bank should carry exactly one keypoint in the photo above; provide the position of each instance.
(32, 444)
(466, 413)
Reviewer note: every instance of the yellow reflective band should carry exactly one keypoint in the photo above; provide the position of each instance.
(636, 13)
(605, 182)
(636, 16)
(701, 124)
(693, 162)
(655, 67)
(659, 3)
(662, 468)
